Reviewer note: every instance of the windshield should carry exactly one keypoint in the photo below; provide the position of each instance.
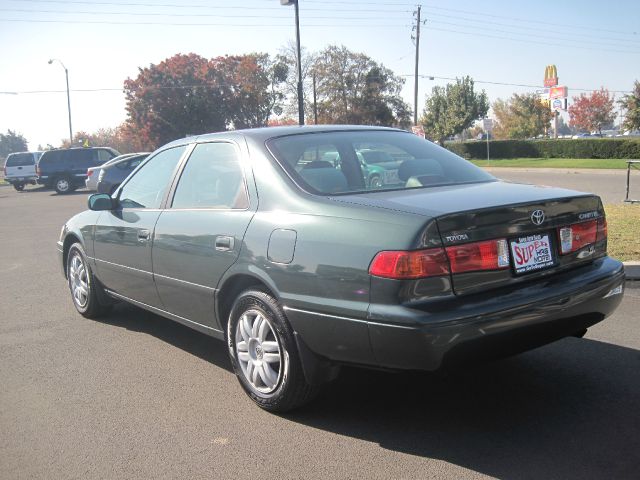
(362, 161)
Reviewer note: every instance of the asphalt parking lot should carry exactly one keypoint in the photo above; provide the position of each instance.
(138, 396)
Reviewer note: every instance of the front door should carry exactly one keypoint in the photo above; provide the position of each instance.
(199, 236)
(124, 236)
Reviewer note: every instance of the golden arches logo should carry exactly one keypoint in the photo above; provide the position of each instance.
(550, 76)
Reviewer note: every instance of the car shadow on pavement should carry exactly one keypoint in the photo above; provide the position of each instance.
(567, 410)
(196, 343)
(71, 194)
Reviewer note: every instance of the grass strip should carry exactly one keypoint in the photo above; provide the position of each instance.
(616, 163)
(623, 222)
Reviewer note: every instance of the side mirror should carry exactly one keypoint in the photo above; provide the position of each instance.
(101, 201)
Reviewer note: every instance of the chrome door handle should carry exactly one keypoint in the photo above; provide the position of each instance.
(224, 243)
(143, 235)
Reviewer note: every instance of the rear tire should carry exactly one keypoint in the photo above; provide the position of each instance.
(84, 287)
(375, 181)
(264, 355)
(18, 186)
(63, 185)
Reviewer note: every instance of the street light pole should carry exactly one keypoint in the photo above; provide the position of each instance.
(66, 74)
(299, 60)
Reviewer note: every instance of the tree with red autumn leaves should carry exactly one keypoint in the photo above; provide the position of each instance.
(189, 94)
(592, 112)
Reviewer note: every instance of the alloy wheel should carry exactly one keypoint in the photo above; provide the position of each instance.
(78, 280)
(258, 351)
(62, 185)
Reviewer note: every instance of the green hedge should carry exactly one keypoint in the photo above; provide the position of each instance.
(561, 148)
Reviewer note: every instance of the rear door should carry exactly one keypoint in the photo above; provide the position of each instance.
(200, 235)
(123, 237)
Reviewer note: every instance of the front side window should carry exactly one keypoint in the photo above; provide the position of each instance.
(361, 161)
(212, 178)
(147, 187)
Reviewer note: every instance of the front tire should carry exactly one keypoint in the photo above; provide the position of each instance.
(18, 186)
(83, 285)
(264, 355)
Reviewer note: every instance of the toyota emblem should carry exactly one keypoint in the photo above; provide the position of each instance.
(537, 217)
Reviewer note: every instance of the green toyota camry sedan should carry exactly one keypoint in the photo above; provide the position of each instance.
(302, 264)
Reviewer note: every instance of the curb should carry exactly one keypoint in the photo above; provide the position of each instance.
(632, 270)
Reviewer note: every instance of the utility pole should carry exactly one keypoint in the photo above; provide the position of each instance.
(299, 60)
(416, 27)
(315, 99)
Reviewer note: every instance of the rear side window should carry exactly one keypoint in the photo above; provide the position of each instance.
(212, 178)
(104, 156)
(373, 160)
(81, 158)
(20, 160)
(51, 157)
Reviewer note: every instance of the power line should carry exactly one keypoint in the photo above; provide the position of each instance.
(548, 37)
(155, 14)
(359, 17)
(189, 24)
(532, 41)
(537, 29)
(190, 87)
(516, 84)
(306, 25)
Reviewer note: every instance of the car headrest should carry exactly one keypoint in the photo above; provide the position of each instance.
(421, 166)
(327, 180)
(319, 164)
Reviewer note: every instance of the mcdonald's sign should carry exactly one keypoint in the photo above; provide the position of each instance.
(550, 76)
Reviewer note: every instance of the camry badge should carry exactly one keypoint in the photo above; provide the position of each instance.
(537, 217)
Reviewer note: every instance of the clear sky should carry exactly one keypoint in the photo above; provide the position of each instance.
(593, 43)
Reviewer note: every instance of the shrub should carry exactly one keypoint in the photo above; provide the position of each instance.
(561, 148)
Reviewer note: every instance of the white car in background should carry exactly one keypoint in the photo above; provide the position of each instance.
(91, 183)
(20, 169)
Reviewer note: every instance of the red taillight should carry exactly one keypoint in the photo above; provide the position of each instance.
(579, 235)
(89, 172)
(601, 234)
(38, 170)
(488, 255)
(410, 264)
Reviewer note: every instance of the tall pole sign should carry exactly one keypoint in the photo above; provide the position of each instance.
(554, 96)
(550, 76)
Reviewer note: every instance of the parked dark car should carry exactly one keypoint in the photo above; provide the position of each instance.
(112, 175)
(250, 237)
(66, 169)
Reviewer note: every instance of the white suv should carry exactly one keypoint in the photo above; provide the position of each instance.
(20, 169)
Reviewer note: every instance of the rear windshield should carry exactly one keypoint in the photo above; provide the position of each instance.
(20, 160)
(364, 161)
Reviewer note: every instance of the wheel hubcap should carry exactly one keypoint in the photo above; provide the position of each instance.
(258, 351)
(63, 185)
(78, 281)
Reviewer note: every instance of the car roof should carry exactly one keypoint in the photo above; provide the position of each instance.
(265, 133)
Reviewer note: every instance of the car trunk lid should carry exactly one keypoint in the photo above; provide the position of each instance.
(523, 218)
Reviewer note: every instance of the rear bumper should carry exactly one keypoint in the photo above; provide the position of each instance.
(462, 329)
(508, 321)
(27, 179)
